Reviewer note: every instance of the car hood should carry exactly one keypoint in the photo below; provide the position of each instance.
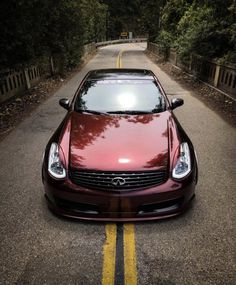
(119, 142)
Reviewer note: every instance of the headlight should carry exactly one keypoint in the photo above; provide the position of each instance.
(55, 167)
(183, 165)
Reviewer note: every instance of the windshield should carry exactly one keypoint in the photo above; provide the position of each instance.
(120, 96)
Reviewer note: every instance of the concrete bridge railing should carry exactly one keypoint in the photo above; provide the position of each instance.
(120, 41)
(222, 77)
(15, 82)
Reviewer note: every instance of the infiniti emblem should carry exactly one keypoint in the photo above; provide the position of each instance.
(118, 181)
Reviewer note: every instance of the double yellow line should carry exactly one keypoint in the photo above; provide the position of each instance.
(109, 255)
(128, 242)
(119, 61)
(130, 266)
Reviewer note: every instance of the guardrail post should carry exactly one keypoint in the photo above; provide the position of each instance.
(27, 80)
(190, 62)
(52, 68)
(217, 75)
(175, 53)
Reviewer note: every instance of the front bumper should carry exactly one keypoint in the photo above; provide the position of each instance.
(163, 201)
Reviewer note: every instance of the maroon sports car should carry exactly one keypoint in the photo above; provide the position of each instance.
(119, 154)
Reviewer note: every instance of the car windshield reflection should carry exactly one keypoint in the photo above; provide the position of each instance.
(120, 96)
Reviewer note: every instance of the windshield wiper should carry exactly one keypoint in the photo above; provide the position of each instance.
(157, 110)
(92, 112)
(130, 112)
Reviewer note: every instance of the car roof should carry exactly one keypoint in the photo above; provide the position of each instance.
(120, 73)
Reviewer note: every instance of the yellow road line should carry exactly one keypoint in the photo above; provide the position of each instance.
(121, 52)
(109, 255)
(130, 267)
(119, 61)
(109, 248)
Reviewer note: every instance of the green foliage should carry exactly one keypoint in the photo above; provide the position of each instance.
(94, 16)
(172, 13)
(205, 27)
(21, 29)
(31, 29)
(200, 32)
(131, 15)
(151, 17)
(165, 42)
(230, 56)
(197, 30)
(64, 30)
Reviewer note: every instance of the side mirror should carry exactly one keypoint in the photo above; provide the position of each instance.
(65, 103)
(176, 102)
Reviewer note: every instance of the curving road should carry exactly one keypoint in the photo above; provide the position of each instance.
(196, 248)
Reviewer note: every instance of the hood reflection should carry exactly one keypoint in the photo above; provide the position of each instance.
(118, 141)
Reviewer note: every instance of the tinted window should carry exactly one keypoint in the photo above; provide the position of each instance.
(115, 95)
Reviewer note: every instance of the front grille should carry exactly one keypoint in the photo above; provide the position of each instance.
(117, 181)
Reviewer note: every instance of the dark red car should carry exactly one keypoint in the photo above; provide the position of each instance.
(119, 154)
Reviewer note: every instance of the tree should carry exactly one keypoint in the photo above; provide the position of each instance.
(124, 16)
(151, 17)
(94, 16)
(205, 27)
(205, 30)
(31, 29)
(21, 31)
(64, 32)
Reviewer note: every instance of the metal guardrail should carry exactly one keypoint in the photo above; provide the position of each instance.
(120, 41)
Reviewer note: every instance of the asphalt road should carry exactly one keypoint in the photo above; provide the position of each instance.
(197, 247)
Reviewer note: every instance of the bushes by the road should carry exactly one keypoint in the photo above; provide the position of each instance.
(31, 29)
(205, 27)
